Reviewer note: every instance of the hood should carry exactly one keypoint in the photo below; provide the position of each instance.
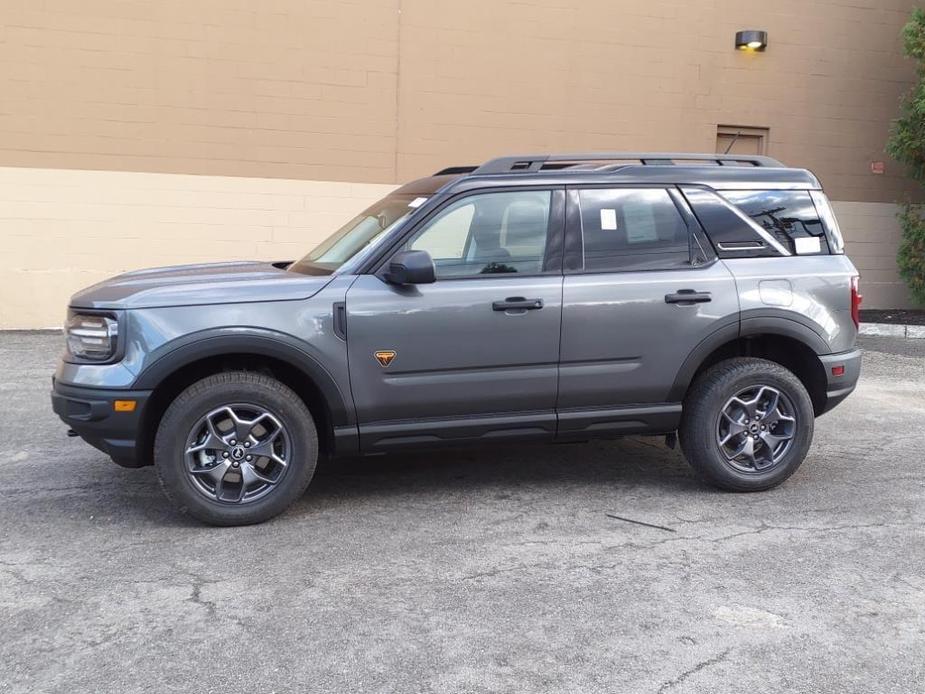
(189, 285)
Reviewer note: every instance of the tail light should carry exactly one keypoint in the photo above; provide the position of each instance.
(856, 299)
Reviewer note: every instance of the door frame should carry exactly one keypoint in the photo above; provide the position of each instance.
(383, 435)
(581, 423)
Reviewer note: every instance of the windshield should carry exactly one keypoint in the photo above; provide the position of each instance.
(365, 229)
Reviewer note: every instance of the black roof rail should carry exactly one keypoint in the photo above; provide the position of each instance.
(534, 163)
(455, 170)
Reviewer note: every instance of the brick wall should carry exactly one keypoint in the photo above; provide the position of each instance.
(388, 90)
(286, 88)
(66, 229)
(872, 236)
(107, 106)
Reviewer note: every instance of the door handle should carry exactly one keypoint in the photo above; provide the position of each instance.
(517, 303)
(688, 297)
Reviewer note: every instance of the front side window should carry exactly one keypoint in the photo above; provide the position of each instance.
(487, 234)
(788, 215)
(632, 229)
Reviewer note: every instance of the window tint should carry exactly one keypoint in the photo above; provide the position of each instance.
(789, 215)
(488, 234)
(632, 229)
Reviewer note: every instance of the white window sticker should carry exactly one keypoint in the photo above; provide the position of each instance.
(640, 222)
(608, 220)
(807, 244)
(417, 202)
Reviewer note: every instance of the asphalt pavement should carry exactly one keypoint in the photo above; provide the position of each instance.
(517, 569)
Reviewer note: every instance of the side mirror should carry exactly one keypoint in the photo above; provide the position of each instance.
(411, 267)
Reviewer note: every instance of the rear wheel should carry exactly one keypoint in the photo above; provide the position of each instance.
(747, 424)
(235, 448)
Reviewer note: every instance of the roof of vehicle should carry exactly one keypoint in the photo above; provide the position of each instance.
(725, 171)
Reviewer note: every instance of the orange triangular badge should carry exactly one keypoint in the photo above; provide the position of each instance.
(384, 357)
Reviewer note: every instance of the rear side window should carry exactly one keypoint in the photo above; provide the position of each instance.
(788, 215)
(632, 229)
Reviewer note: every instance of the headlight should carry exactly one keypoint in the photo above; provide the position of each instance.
(91, 337)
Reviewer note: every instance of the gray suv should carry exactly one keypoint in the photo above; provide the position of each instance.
(532, 298)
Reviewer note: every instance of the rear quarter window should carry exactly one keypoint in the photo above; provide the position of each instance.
(788, 215)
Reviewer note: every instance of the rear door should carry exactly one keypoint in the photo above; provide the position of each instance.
(475, 354)
(642, 289)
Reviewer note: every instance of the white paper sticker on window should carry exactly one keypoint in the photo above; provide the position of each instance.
(608, 220)
(639, 218)
(807, 244)
(417, 202)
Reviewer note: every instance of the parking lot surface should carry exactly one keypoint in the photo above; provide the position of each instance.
(486, 570)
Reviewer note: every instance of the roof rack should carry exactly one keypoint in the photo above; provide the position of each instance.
(455, 170)
(584, 161)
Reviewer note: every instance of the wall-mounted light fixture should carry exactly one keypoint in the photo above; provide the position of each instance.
(751, 40)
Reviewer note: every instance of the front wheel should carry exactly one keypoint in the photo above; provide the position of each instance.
(747, 424)
(235, 448)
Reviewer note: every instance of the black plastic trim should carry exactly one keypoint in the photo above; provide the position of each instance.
(763, 321)
(340, 319)
(89, 412)
(840, 387)
(214, 343)
(472, 429)
(723, 334)
(604, 422)
(775, 321)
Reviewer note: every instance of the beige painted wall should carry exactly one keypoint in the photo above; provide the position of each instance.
(389, 90)
(872, 237)
(108, 106)
(62, 230)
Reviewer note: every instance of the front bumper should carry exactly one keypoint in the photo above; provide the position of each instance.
(840, 385)
(89, 413)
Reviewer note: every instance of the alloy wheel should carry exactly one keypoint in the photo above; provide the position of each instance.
(237, 453)
(755, 428)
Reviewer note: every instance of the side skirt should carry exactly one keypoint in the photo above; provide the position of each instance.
(573, 424)
(657, 418)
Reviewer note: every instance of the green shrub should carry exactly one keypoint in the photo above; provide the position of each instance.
(907, 145)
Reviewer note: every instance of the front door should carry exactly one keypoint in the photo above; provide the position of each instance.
(642, 289)
(475, 354)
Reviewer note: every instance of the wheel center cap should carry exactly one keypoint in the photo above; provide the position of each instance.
(238, 453)
(753, 428)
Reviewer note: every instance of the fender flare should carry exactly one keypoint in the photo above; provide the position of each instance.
(757, 322)
(222, 341)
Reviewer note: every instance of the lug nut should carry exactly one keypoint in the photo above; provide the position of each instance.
(247, 444)
(235, 464)
(233, 442)
(225, 454)
(249, 458)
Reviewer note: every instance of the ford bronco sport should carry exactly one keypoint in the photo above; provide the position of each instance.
(549, 297)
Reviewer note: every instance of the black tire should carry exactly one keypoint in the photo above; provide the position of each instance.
(217, 391)
(703, 407)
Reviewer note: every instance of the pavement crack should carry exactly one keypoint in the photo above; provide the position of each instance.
(196, 596)
(211, 608)
(703, 664)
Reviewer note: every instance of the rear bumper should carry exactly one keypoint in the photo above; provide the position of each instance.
(89, 412)
(840, 386)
